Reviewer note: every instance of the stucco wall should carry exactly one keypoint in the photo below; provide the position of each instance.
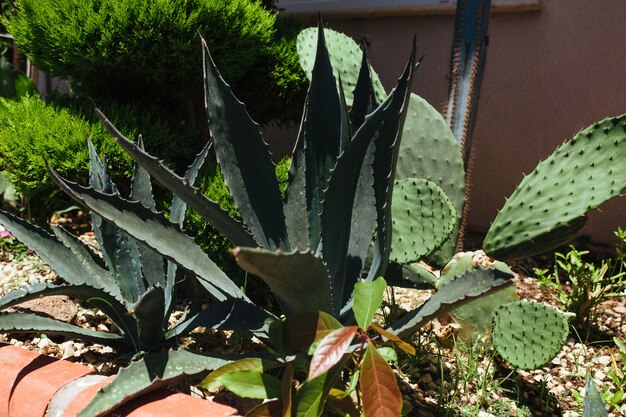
(549, 74)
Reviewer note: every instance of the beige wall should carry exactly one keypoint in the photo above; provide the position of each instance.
(549, 74)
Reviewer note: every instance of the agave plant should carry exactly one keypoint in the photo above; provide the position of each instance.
(133, 285)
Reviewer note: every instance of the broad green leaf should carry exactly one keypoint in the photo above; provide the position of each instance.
(331, 350)
(244, 159)
(251, 384)
(367, 299)
(153, 371)
(301, 330)
(379, 389)
(212, 382)
(311, 396)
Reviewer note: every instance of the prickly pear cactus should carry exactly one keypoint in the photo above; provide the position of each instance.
(529, 334)
(422, 218)
(549, 205)
(345, 55)
(428, 150)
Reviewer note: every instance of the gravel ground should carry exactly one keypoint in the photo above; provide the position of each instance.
(470, 385)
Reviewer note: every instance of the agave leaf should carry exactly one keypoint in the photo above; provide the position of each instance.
(346, 129)
(390, 136)
(155, 231)
(248, 170)
(120, 251)
(593, 405)
(99, 298)
(177, 216)
(300, 279)
(227, 315)
(295, 200)
(364, 95)
(379, 389)
(209, 210)
(88, 258)
(141, 190)
(465, 288)
(383, 128)
(31, 323)
(179, 207)
(154, 371)
(59, 257)
(318, 144)
(150, 310)
(243, 156)
(410, 276)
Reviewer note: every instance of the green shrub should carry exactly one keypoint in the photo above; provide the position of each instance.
(32, 132)
(162, 136)
(137, 47)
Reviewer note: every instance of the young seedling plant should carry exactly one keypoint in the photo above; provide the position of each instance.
(326, 367)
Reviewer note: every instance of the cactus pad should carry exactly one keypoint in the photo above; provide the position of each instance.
(579, 176)
(428, 150)
(345, 55)
(422, 218)
(529, 334)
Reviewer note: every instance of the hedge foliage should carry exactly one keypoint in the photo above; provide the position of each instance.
(140, 47)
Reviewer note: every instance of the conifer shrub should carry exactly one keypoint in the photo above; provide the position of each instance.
(32, 132)
(139, 48)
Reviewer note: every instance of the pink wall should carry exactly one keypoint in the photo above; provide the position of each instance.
(549, 74)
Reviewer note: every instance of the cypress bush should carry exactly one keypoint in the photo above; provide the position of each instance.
(140, 48)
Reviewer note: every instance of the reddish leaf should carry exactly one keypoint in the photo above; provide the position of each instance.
(286, 390)
(395, 339)
(330, 350)
(303, 329)
(379, 390)
(272, 408)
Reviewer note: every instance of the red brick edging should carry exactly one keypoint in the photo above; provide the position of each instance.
(29, 381)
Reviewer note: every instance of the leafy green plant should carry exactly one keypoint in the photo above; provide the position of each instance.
(91, 42)
(589, 284)
(322, 370)
(11, 249)
(31, 131)
(131, 286)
